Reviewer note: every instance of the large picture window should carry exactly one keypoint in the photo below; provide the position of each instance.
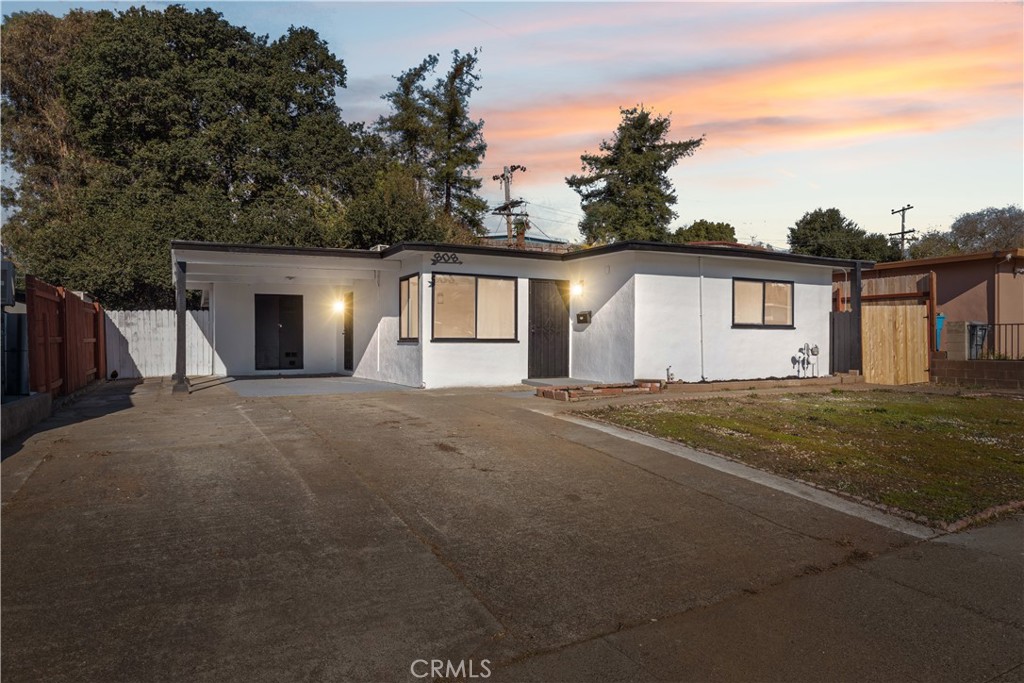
(474, 308)
(762, 303)
(409, 308)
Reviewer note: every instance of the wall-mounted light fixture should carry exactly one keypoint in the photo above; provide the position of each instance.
(576, 289)
(338, 306)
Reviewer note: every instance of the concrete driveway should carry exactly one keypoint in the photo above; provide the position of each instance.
(153, 536)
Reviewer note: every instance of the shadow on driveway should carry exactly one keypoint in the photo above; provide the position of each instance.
(221, 537)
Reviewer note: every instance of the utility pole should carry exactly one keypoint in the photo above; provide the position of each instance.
(903, 228)
(506, 209)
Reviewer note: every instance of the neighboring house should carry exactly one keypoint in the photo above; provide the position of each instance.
(987, 287)
(438, 315)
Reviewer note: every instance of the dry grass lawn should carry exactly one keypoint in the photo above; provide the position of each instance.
(941, 456)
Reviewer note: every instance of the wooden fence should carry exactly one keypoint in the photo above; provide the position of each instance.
(897, 326)
(66, 339)
(142, 343)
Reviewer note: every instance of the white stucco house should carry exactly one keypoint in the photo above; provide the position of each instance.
(442, 315)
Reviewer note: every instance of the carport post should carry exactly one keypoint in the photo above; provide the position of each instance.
(179, 309)
(856, 358)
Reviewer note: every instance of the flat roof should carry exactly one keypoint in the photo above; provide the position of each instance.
(650, 247)
(955, 258)
(529, 238)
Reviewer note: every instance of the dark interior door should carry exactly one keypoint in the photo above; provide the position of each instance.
(549, 329)
(278, 332)
(348, 331)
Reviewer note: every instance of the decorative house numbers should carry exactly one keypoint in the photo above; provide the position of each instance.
(445, 257)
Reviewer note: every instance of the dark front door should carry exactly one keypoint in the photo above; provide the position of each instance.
(549, 328)
(278, 332)
(348, 331)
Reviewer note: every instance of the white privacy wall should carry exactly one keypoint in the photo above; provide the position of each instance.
(143, 343)
(234, 311)
(377, 353)
(603, 350)
(669, 326)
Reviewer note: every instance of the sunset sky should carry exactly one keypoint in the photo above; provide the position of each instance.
(862, 106)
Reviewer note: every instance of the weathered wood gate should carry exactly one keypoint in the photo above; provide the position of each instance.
(897, 327)
(66, 339)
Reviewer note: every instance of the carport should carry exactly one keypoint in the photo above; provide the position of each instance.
(277, 310)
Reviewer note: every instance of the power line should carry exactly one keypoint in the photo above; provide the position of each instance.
(505, 178)
(574, 214)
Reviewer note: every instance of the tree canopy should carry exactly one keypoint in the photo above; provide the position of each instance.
(991, 229)
(126, 130)
(826, 232)
(624, 190)
(131, 129)
(705, 231)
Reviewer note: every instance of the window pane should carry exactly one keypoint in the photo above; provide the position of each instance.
(403, 308)
(414, 307)
(496, 309)
(454, 306)
(747, 299)
(777, 300)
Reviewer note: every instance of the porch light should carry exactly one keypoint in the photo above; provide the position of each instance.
(576, 289)
(339, 306)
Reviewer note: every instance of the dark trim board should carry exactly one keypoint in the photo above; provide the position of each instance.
(272, 249)
(764, 303)
(654, 247)
(476, 304)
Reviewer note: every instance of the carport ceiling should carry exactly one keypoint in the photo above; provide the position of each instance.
(203, 268)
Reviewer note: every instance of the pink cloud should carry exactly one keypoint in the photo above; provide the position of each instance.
(884, 71)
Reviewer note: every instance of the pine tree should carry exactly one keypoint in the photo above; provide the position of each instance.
(625, 192)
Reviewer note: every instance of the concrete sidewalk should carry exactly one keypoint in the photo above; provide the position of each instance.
(216, 537)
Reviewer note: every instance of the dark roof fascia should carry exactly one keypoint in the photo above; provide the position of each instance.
(657, 247)
(271, 249)
(731, 252)
(470, 249)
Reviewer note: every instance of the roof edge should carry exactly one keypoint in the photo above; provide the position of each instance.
(953, 258)
(659, 247)
(273, 249)
(709, 250)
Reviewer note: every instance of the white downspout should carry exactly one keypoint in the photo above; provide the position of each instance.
(700, 305)
(213, 329)
(376, 278)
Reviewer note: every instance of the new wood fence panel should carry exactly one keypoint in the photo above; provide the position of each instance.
(142, 343)
(895, 342)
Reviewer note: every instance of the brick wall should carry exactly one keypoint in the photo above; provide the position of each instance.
(994, 374)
